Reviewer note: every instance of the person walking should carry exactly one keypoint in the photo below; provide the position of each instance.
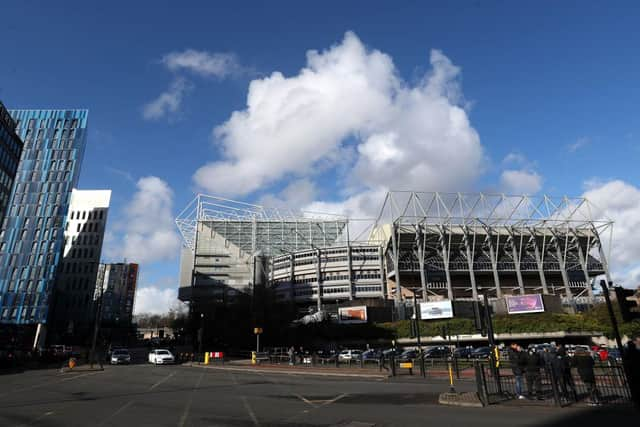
(518, 362)
(585, 364)
(532, 371)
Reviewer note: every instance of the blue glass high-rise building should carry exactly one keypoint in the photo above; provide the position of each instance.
(32, 234)
(10, 150)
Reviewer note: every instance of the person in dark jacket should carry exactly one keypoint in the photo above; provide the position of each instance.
(632, 361)
(561, 365)
(517, 359)
(585, 364)
(532, 371)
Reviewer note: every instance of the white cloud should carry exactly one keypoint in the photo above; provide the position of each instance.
(580, 142)
(294, 196)
(209, 64)
(407, 135)
(155, 300)
(514, 158)
(514, 181)
(620, 201)
(168, 102)
(149, 231)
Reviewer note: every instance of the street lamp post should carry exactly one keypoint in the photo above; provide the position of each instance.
(201, 333)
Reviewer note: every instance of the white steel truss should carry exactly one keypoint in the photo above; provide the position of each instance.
(493, 233)
(252, 228)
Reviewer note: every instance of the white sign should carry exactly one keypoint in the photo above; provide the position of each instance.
(436, 310)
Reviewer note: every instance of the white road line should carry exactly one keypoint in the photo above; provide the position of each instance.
(187, 408)
(46, 414)
(335, 399)
(245, 402)
(116, 413)
(161, 381)
(32, 387)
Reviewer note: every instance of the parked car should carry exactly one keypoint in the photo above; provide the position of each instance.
(347, 355)
(614, 355)
(161, 357)
(370, 355)
(481, 353)
(463, 352)
(439, 352)
(408, 355)
(572, 348)
(120, 356)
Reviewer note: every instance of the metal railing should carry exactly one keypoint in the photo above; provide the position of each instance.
(608, 385)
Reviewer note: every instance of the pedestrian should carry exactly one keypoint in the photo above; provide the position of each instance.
(301, 355)
(517, 361)
(632, 361)
(291, 353)
(585, 364)
(561, 365)
(532, 371)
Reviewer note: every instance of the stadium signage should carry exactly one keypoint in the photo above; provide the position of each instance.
(352, 314)
(436, 310)
(520, 304)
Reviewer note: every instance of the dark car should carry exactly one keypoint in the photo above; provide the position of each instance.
(370, 355)
(463, 352)
(408, 355)
(436, 353)
(481, 353)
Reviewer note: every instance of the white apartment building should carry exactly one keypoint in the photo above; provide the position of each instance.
(74, 309)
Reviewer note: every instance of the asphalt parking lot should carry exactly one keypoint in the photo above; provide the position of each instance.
(145, 395)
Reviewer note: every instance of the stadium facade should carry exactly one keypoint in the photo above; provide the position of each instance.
(453, 246)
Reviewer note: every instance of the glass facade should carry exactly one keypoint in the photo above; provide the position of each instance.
(32, 234)
(10, 150)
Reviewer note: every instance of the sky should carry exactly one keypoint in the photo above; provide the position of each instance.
(327, 105)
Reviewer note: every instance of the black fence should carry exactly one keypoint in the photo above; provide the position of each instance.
(608, 385)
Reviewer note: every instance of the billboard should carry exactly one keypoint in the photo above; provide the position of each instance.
(518, 304)
(352, 314)
(436, 310)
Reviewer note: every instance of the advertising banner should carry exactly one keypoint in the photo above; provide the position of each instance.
(519, 304)
(352, 314)
(436, 310)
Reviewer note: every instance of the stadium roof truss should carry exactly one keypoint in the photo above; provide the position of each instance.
(272, 231)
(500, 229)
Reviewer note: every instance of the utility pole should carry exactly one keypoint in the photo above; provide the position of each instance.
(417, 315)
(494, 357)
(96, 325)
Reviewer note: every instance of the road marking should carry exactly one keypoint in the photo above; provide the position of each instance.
(46, 414)
(187, 408)
(335, 399)
(245, 402)
(299, 396)
(162, 380)
(31, 387)
(81, 375)
(119, 411)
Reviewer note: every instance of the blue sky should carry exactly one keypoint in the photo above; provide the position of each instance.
(550, 91)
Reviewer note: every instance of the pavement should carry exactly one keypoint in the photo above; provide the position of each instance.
(146, 395)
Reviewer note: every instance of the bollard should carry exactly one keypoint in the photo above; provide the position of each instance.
(392, 362)
(254, 358)
(206, 358)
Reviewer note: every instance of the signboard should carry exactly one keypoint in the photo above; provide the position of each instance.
(519, 304)
(436, 310)
(352, 314)
(257, 331)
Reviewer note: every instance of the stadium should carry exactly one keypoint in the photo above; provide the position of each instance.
(455, 246)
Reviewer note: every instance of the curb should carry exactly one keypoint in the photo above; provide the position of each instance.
(291, 372)
(468, 400)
